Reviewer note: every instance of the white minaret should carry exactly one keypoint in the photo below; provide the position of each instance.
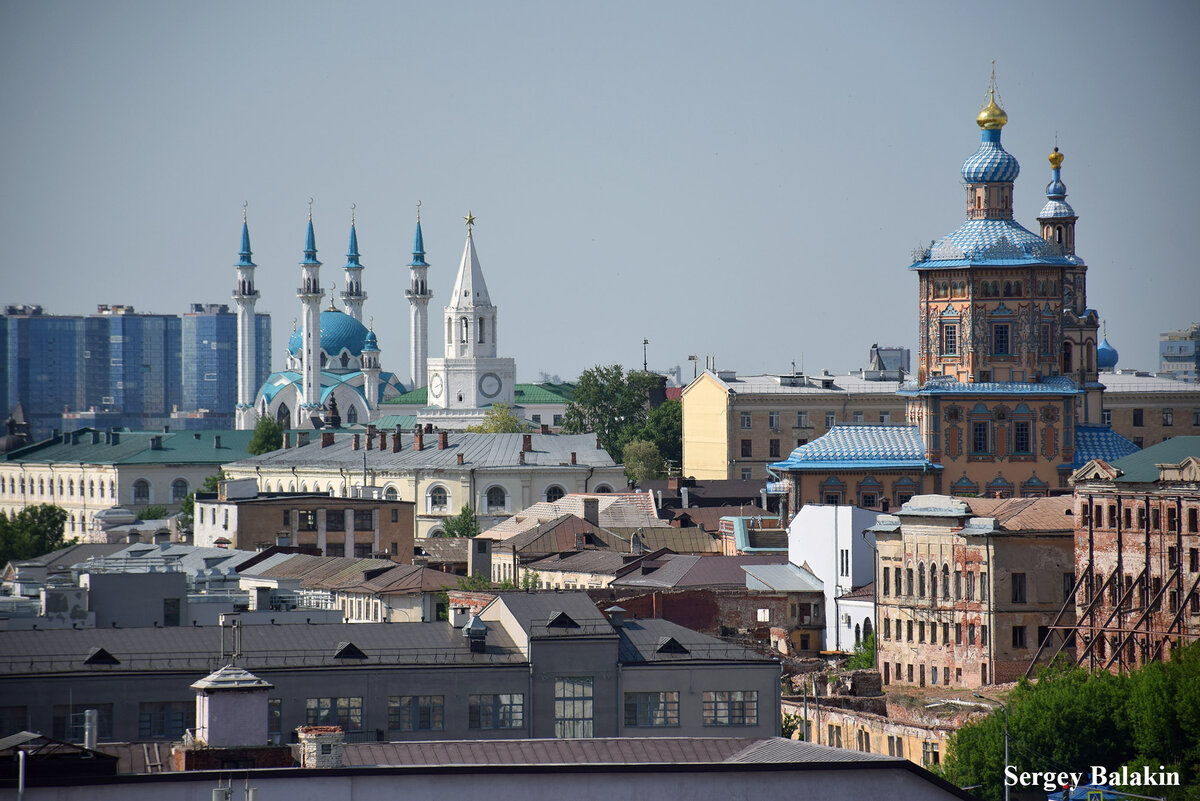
(245, 296)
(352, 295)
(370, 370)
(470, 377)
(418, 295)
(310, 294)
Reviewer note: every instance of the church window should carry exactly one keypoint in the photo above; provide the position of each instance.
(554, 493)
(1058, 231)
(466, 330)
(949, 339)
(179, 490)
(60, 487)
(438, 499)
(351, 415)
(921, 582)
(1022, 438)
(71, 487)
(497, 499)
(91, 489)
(41, 486)
(345, 359)
(141, 491)
(980, 438)
(390, 494)
(1000, 339)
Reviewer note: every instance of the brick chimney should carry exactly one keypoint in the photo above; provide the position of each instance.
(321, 746)
(397, 443)
(545, 428)
(443, 440)
(369, 443)
(382, 440)
(356, 442)
(460, 457)
(418, 442)
(371, 430)
(326, 439)
(591, 510)
(573, 460)
(527, 442)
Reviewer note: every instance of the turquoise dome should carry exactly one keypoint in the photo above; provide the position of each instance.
(339, 331)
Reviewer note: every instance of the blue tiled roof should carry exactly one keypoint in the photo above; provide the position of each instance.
(860, 445)
(1051, 385)
(1100, 442)
(1056, 208)
(991, 163)
(991, 242)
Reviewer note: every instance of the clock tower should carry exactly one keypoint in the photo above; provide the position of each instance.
(471, 377)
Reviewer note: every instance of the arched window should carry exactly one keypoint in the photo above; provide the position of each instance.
(60, 487)
(466, 330)
(933, 585)
(91, 489)
(141, 491)
(946, 581)
(438, 499)
(554, 492)
(496, 499)
(857, 634)
(71, 522)
(179, 490)
(391, 494)
(283, 415)
(345, 360)
(908, 581)
(481, 327)
(867, 628)
(1067, 357)
(100, 489)
(351, 415)
(921, 580)
(71, 487)
(602, 489)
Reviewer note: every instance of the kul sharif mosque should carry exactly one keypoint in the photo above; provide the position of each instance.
(333, 372)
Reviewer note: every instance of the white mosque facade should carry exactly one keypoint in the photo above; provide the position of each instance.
(333, 374)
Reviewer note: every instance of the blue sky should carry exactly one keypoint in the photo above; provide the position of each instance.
(745, 181)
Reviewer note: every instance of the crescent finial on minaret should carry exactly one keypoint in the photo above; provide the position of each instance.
(353, 206)
(418, 211)
(310, 202)
(245, 203)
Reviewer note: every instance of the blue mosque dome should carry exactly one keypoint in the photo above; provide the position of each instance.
(339, 331)
(1106, 355)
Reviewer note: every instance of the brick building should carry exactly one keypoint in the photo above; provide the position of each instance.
(968, 587)
(1137, 547)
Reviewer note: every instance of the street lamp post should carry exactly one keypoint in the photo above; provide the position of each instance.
(1003, 709)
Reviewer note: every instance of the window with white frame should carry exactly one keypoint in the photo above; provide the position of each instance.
(416, 712)
(745, 420)
(730, 708)
(495, 499)
(141, 491)
(573, 706)
(497, 711)
(438, 499)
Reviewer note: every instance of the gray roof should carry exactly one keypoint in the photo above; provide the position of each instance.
(809, 385)
(778, 749)
(600, 562)
(534, 610)
(781, 578)
(679, 570)
(144, 557)
(195, 649)
(64, 558)
(478, 451)
(651, 640)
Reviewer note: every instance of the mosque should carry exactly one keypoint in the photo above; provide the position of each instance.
(333, 373)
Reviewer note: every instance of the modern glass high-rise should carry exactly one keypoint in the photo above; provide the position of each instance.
(210, 357)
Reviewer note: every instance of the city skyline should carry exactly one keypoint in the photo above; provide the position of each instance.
(668, 173)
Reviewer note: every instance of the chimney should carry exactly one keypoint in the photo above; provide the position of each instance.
(326, 439)
(321, 746)
(369, 443)
(418, 442)
(476, 633)
(156, 442)
(684, 498)
(521, 457)
(216, 440)
(597, 443)
(371, 431)
(382, 440)
(591, 510)
(616, 616)
(91, 727)
(95, 437)
(116, 439)
(287, 439)
(356, 444)
(527, 442)
(573, 457)
(302, 439)
(396, 442)
(443, 440)
(545, 428)
(429, 428)
(460, 457)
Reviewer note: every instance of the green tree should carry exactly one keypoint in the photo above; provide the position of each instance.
(664, 427)
(33, 531)
(863, 657)
(187, 507)
(500, 419)
(475, 583)
(610, 403)
(267, 437)
(153, 512)
(462, 524)
(642, 460)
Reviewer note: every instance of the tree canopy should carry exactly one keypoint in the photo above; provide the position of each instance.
(462, 524)
(664, 427)
(500, 419)
(1071, 719)
(267, 437)
(33, 531)
(612, 404)
(642, 460)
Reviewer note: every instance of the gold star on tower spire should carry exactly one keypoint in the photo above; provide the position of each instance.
(470, 218)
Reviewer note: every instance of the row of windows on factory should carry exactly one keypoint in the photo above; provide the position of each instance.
(1109, 515)
(922, 632)
(900, 583)
(1145, 593)
(915, 674)
(804, 420)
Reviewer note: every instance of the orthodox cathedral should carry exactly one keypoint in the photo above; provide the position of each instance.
(1006, 401)
(333, 372)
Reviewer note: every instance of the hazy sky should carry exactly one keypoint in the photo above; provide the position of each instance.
(740, 180)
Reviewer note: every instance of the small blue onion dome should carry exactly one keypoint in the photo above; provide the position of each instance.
(1106, 355)
(1056, 191)
(991, 163)
(339, 331)
(370, 345)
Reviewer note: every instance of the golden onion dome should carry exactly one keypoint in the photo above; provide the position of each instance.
(992, 117)
(1056, 159)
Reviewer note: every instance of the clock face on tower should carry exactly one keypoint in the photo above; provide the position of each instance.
(435, 386)
(489, 385)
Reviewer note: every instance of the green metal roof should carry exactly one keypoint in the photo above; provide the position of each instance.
(136, 447)
(523, 395)
(1138, 468)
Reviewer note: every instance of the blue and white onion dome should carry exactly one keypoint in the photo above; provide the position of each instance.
(1056, 191)
(339, 331)
(1106, 356)
(991, 163)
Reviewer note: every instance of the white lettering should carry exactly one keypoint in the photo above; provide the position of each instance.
(1099, 775)
(1010, 776)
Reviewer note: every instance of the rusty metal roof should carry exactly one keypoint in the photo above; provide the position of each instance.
(1026, 514)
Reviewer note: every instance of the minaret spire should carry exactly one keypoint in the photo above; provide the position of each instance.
(310, 294)
(244, 297)
(418, 295)
(352, 295)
